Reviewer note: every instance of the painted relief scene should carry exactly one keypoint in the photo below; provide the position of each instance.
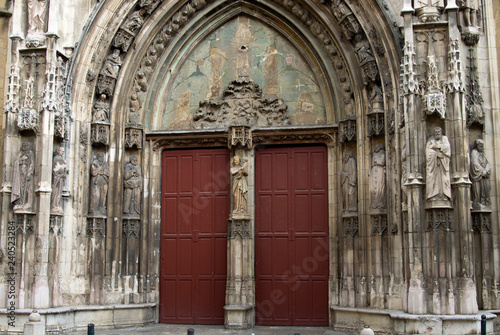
(259, 75)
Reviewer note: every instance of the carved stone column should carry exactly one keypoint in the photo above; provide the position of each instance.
(240, 297)
(41, 295)
(465, 282)
(413, 131)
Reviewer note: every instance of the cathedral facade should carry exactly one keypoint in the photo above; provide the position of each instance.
(251, 162)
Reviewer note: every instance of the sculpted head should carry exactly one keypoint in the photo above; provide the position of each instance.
(479, 145)
(438, 133)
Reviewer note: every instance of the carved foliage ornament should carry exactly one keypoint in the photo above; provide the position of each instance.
(241, 104)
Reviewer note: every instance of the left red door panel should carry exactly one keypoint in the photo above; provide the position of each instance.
(194, 212)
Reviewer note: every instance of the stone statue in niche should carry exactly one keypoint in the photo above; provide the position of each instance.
(377, 178)
(132, 184)
(36, 16)
(22, 179)
(59, 173)
(134, 108)
(99, 180)
(362, 49)
(239, 172)
(480, 171)
(100, 111)
(135, 21)
(469, 9)
(349, 181)
(376, 100)
(438, 152)
(112, 65)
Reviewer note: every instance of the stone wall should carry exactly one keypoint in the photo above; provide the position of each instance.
(402, 93)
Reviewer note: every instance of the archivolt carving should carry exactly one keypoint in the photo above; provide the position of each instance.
(340, 9)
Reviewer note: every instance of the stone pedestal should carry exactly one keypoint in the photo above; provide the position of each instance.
(34, 326)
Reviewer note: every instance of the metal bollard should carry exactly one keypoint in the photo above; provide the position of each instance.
(90, 329)
(483, 324)
(190, 331)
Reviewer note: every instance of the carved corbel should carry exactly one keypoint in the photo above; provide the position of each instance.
(347, 129)
(133, 137)
(96, 227)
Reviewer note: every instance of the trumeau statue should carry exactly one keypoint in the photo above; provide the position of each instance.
(480, 171)
(22, 179)
(239, 171)
(36, 16)
(59, 172)
(377, 178)
(99, 180)
(438, 152)
(349, 183)
(132, 184)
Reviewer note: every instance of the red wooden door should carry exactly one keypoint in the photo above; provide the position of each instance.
(194, 213)
(291, 229)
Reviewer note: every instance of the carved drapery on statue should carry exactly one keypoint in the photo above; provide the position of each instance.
(239, 172)
(480, 171)
(377, 179)
(438, 152)
(349, 180)
(132, 188)
(241, 104)
(22, 179)
(99, 181)
(59, 173)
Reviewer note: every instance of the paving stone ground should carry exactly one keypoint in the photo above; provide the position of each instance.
(162, 329)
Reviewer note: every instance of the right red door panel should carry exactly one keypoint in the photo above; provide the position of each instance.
(291, 229)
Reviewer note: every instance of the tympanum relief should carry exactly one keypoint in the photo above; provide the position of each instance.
(258, 82)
